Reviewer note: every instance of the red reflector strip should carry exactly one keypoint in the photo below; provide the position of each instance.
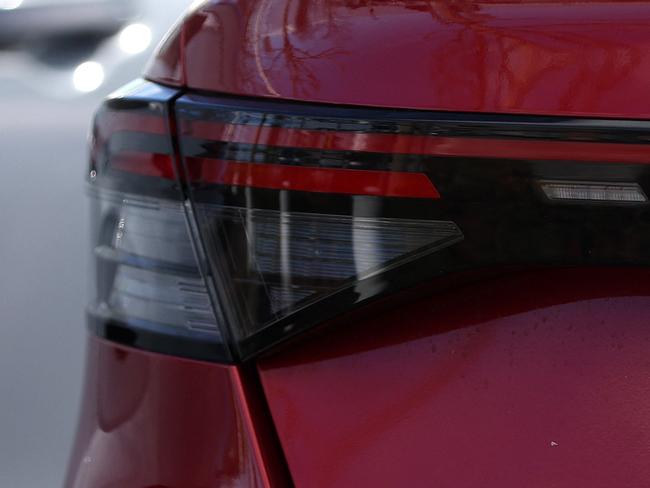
(425, 145)
(310, 179)
(113, 122)
(145, 164)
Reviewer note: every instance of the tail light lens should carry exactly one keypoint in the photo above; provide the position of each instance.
(149, 288)
(224, 226)
(273, 263)
(204, 277)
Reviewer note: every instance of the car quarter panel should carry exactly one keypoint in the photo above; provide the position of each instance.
(534, 379)
(504, 56)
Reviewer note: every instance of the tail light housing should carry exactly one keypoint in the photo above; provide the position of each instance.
(223, 225)
(149, 288)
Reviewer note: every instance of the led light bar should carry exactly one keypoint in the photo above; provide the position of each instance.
(596, 192)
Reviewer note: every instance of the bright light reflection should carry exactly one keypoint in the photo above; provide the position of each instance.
(10, 4)
(88, 76)
(135, 38)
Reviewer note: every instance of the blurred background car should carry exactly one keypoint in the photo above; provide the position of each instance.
(58, 59)
(23, 21)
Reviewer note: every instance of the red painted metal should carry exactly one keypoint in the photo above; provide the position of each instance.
(302, 178)
(552, 57)
(151, 420)
(534, 379)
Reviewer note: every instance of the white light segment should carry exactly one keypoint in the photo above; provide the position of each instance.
(595, 192)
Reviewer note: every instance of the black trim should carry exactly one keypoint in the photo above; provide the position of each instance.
(142, 97)
(273, 451)
(323, 158)
(323, 117)
(138, 335)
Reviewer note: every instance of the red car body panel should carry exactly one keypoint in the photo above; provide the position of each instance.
(534, 379)
(150, 420)
(548, 57)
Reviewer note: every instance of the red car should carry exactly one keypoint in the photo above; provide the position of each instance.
(375, 243)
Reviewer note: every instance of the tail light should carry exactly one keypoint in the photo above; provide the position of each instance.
(149, 288)
(224, 226)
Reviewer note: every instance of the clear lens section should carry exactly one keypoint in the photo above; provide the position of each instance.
(610, 192)
(147, 270)
(161, 298)
(278, 262)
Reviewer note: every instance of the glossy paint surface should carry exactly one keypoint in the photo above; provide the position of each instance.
(533, 379)
(150, 420)
(549, 57)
